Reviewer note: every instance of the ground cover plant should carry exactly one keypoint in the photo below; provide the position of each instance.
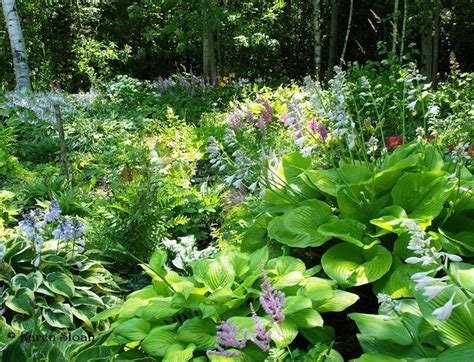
(249, 206)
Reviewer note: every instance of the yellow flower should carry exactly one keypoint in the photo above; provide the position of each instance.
(221, 84)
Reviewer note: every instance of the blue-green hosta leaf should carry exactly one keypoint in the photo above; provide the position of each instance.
(157, 342)
(339, 301)
(201, 332)
(214, 273)
(284, 333)
(31, 281)
(351, 265)
(60, 283)
(178, 353)
(23, 301)
(299, 226)
(459, 327)
(422, 195)
(307, 318)
(344, 229)
(134, 329)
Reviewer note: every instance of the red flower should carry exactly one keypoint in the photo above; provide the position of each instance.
(430, 138)
(393, 141)
(471, 151)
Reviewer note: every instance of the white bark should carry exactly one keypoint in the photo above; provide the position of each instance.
(395, 27)
(17, 43)
(346, 40)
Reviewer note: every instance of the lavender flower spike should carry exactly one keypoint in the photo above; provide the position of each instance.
(53, 211)
(227, 338)
(272, 300)
(261, 338)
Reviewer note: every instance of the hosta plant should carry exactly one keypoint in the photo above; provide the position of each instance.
(49, 283)
(242, 305)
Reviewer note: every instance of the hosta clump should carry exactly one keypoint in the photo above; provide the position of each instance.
(50, 284)
(179, 316)
(403, 223)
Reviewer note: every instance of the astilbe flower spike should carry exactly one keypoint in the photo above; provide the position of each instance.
(261, 338)
(272, 300)
(227, 338)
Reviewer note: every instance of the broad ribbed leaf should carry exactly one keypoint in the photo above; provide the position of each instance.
(214, 273)
(23, 301)
(351, 265)
(158, 341)
(134, 329)
(344, 229)
(159, 310)
(460, 353)
(299, 226)
(201, 332)
(31, 281)
(422, 195)
(307, 318)
(177, 353)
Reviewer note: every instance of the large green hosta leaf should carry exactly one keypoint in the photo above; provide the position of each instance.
(358, 202)
(157, 342)
(214, 273)
(31, 281)
(345, 229)
(299, 226)
(23, 301)
(423, 194)
(287, 270)
(198, 331)
(285, 182)
(351, 265)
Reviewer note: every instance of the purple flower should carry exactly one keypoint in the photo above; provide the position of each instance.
(53, 212)
(64, 231)
(227, 336)
(272, 300)
(261, 338)
(249, 116)
(31, 224)
(315, 126)
(235, 118)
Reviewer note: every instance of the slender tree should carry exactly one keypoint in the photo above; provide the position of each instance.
(404, 27)
(317, 37)
(208, 45)
(17, 43)
(333, 37)
(348, 31)
(427, 40)
(395, 27)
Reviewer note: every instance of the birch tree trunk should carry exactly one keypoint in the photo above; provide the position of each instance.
(17, 43)
(317, 37)
(395, 27)
(332, 37)
(348, 31)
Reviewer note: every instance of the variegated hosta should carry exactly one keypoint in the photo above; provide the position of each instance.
(48, 283)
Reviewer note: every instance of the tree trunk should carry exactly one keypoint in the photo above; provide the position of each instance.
(208, 48)
(17, 43)
(317, 37)
(404, 27)
(346, 40)
(332, 37)
(427, 40)
(395, 28)
(434, 75)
